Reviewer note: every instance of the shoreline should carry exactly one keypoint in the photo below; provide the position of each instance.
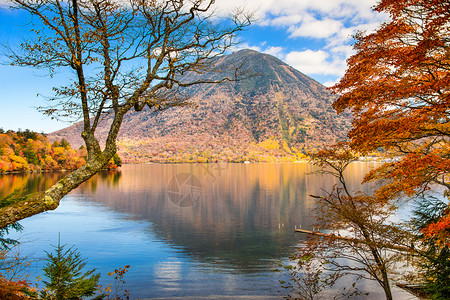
(364, 160)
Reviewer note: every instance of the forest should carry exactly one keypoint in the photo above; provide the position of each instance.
(28, 151)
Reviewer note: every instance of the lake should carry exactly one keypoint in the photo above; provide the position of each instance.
(198, 231)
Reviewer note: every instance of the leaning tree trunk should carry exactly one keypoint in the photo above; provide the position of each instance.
(50, 199)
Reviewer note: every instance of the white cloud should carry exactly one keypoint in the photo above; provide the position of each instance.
(329, 83)
(275, 51)
(307, 61)
(277, 8)
(317, 28)
(316, 62)
(327, 26)
(285, 20)
(342, 50)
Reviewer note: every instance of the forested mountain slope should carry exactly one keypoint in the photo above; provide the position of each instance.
(274, 115)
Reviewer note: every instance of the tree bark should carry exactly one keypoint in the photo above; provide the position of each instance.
(49, 200)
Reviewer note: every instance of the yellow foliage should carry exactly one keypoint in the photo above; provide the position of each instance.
(7, 152)
(19, 163)
(269, 144)
(301, 156)
(18, 152)
(5, 165)
(59, 151)
(49, 163)
(5, 140)
(286, 147)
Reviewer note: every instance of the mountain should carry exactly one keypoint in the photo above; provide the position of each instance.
(274, 115)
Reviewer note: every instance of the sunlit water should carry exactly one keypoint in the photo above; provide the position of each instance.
(198, 231)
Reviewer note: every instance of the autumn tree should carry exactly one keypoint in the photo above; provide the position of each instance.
(397, 87)
(13, 283)
(123, 55)
(30, 151)
(361, 239)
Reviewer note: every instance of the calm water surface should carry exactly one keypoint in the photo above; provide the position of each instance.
(204, 231)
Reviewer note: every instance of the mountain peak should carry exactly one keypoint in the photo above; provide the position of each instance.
(244, 51)
(268, 71)
(252, 55)
(276, 112)
(249, 53)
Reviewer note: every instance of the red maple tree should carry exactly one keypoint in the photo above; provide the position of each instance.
(397, 87)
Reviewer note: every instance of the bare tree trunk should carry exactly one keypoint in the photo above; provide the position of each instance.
(386, 286)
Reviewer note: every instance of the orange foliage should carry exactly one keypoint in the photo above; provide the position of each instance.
(397, 89)
(30, 151)
(12, 284)
(440, 230)
(12, 290)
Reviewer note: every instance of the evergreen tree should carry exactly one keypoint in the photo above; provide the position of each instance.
(67, 281)
(436, 255)
(6, 243)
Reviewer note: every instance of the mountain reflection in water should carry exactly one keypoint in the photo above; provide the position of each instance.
(185, 228)
(239, 214)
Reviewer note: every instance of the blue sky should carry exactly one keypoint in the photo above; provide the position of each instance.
(313, 36)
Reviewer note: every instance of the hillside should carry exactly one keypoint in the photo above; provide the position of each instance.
(275, 115)
(30, 151)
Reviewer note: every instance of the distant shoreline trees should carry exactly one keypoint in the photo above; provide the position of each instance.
(28, 151)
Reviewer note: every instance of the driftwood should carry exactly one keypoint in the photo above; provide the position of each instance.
(415, 289)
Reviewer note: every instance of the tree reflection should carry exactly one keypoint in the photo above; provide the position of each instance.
(244, 216)
(27, 182)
